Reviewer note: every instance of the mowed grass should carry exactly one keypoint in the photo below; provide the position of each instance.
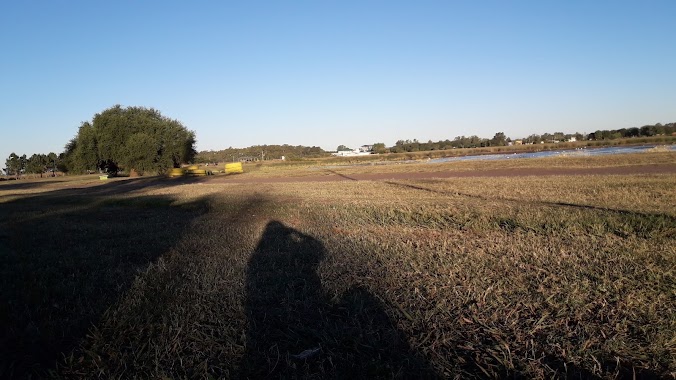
(536, 277)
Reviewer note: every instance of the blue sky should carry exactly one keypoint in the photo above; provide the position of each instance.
(335, 72)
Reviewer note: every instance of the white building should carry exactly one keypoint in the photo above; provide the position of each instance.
(363, 150)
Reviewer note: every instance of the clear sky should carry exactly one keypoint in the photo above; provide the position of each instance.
(335, 72)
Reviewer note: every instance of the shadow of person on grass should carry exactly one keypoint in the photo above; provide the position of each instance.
(295, 331)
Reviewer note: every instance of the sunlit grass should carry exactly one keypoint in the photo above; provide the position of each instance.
(319, 168)
(535, 277)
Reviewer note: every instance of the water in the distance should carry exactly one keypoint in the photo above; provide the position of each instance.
(553, 153)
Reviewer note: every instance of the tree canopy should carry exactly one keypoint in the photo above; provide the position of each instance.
(36, 164)
(644, 131)
(132, 138)
(15, 164)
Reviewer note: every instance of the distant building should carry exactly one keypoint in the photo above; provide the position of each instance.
(363, 150)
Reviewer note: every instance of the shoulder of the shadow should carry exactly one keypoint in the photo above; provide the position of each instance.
(370, 343)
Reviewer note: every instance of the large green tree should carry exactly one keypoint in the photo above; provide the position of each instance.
(36, 164)
(15, 164)
(379, 148)
(499, 139)
(133, 138)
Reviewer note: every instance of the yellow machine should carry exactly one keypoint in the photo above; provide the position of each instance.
(234, 167)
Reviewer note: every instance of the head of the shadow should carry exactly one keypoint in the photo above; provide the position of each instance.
(61, 269)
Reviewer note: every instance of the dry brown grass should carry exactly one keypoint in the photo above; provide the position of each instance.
(538, 277)
(315, 168)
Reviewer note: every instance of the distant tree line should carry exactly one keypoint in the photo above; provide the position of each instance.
(141, 139)
(36, 164)
(414, 145)
(500, 139)
(261, 152)
(644, 131)
(264, 152)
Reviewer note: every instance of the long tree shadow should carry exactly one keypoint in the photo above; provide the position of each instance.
(667, 217)
(92, 186)
(59, 271)
(341, 175)
(295, 331)
(22, 185)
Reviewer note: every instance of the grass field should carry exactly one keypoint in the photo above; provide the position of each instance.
(533, 277)
(349, 166)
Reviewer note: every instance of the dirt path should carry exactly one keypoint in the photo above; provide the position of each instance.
(517, 172)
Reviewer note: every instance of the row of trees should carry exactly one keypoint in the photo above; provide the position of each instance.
(401, 146)
(644, 131)
(500, 139)
(37, 164)
(261, 152)
(295, 152)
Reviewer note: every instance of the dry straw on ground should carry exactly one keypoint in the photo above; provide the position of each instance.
(538, 277)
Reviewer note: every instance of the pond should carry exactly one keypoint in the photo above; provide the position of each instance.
(581, 152)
